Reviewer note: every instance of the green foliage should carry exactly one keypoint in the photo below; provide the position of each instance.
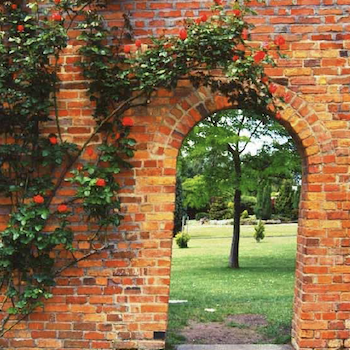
(273, 163)
(248, 203)
(259, 231)
(244, 214)
(196, 192)
(182, 239)
(263, 209)
(201, 216)
(284, 201)
(179, 208)
(219, 209)
(296, 200)
(207, 166)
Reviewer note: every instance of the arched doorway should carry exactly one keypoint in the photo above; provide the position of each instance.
(230, 166)
(314, 141)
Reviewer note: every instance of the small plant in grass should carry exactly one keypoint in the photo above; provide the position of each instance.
(182, 239)
(259, 233)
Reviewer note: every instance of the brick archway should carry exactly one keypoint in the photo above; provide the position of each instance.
(320, 219)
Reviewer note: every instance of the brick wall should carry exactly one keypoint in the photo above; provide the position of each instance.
(118, 299)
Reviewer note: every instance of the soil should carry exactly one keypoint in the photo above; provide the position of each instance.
(237, 329)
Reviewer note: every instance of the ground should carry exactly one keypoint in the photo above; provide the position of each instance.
(249, 305)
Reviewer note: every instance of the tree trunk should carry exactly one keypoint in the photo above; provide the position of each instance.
(234, 254)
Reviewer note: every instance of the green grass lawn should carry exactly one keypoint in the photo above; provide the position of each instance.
(263, 285)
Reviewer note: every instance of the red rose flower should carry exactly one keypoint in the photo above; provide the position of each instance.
(204, 18)
(237, 12)
(259, 56)
(218, 2)
(127, 121)
(127, 49)
(62, 208)
(53, 140)
(20, 28)
(57, 2)
(279, 40)
(38, 199)
(264, 79)
(272, 88)
(245, 34)
(183, 34)
(198, 21)
(138, 43)
(90, 152)
(278, 115)
(235, 58)
(14, 6)
(56, 16)
(101, 183)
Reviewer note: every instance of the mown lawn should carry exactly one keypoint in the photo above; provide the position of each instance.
(263, 285)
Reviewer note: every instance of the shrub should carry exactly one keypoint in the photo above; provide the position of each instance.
(248, 203)
(182, 239)
(244, 214)
(220, 209)
(263, 208)
(284, 201)
(201, 215)
(259, 233)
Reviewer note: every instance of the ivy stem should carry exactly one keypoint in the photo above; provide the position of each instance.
(3, 331)
(92, 252)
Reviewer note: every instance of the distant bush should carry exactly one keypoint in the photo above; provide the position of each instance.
(201, 216)
(263, 208)
(248, 203)
(220, 209)
(259, 233)
(182, 239)
(284, 201)
(244, 214)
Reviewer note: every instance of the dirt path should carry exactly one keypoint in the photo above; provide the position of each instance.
(236, 329)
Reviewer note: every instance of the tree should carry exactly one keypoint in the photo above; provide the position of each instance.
(284, 201)
(196, 192)
(218, 144)
(179, 207)
(264, 206)
(219, 209)
(296, 200)
(259, 231)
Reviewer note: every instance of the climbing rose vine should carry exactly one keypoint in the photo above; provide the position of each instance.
(35, 166)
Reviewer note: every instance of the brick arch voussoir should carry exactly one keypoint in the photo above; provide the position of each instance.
(302, 122)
